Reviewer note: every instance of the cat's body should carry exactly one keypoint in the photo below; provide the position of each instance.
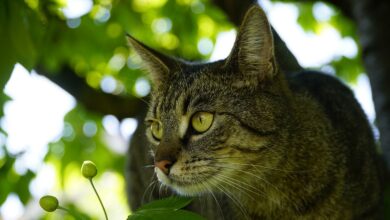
(264, 144)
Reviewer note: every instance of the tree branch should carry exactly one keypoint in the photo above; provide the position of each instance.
(92, 99)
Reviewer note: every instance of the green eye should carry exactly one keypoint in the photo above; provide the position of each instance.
(202, 121)
(156, 129)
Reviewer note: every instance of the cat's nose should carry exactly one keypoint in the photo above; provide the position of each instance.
(163, 165)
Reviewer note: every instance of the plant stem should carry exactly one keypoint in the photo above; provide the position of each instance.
(97, 194)
(62, 208)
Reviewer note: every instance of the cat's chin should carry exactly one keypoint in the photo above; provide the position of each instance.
(184, 189)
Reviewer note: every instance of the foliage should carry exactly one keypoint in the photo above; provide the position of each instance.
(39, 34)
(348, 68)
(15, 182)
(168, 208)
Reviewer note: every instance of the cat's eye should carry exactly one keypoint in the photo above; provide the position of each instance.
(156, 129)
(202, 121)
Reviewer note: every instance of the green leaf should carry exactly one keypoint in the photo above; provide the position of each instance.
(171, 203)
(306, 18)
(164, 215)
(169, 208)
(7, 56)
(6, 187)
(22, 186)
(3, 99)
(19, 29)
(347, 68)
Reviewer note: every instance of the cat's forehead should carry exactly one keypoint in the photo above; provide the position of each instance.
(193, 71)
(192, 78)
(192, 86)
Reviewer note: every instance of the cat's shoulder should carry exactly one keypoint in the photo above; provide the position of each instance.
(335, 97)
(316, 82)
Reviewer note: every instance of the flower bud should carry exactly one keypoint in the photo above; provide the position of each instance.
(88, 169)
(49, 203)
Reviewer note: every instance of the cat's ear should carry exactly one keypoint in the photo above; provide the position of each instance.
(158, 65)
(253, 50)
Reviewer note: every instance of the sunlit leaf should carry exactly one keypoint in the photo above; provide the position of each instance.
(165, 215)
(168, 208)
(6, 187)
(171, 203)
(306, 18)
(23, 186)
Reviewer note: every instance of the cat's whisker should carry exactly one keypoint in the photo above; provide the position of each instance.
(236, 184)
(149, 166)
(216, 201)
(257, 190)
(152, 184)
(268, 168)
(144, 101)
(235, 201)
(160, 190)
(220, 158)
(207, 188)
(151, 193)
(166, 189)
(269, 184)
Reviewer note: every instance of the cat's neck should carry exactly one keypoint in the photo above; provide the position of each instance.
(270, 193)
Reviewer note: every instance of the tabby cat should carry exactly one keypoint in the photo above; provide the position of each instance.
(253, 142)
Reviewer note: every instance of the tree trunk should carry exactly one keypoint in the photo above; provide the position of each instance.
(372, 19)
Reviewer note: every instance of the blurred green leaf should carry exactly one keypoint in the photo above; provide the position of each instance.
(348, 69)
(165, 215)
(345, 26)
(171, 203)
(22, 186)
(168, 208)
(19, 27)
(7, 56)
(77, 214)
(306, 17)
(6, 186)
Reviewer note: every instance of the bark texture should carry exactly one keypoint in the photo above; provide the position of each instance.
(372, 19)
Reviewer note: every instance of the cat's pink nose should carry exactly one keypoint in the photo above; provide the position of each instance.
(163, 165)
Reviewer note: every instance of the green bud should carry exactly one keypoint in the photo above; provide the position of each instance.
(49, 203)
(88, 169)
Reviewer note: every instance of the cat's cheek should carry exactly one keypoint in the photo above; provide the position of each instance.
(162, 177)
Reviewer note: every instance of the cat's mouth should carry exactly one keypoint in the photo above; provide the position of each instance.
(188, 184)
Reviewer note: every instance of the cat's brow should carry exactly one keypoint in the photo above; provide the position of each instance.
(183, 126)
(157, 106)
(186, 104)
(198, 100)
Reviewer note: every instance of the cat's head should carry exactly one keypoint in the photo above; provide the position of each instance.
(209, 122)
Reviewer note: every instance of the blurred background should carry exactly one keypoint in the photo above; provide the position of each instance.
(74, 91)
